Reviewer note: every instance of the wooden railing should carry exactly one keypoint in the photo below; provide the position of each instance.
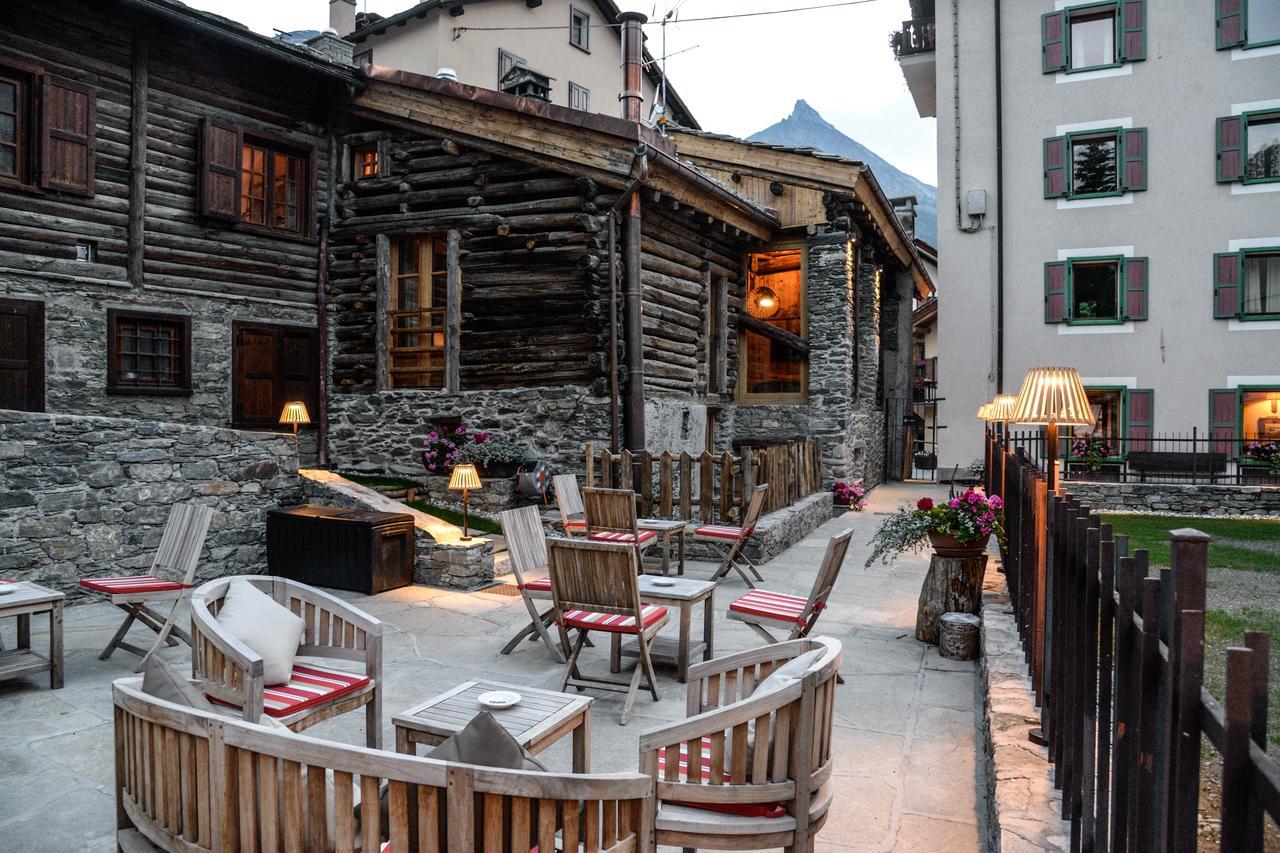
(1116, 658)
(709, 487)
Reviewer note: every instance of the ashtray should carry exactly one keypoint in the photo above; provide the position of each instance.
(499, 699)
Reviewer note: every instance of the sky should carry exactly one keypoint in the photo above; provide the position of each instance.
(741, 75)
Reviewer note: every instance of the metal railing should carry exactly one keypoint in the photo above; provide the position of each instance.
(916, 37)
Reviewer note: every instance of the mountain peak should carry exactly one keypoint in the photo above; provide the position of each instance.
(803, 112)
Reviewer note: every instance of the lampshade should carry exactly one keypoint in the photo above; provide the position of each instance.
(464, 476)
(295, 413)
(1053, 395)
(1002, 408)
(984, 412)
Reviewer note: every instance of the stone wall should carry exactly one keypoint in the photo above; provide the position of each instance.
(88, 496)
(1172, 498)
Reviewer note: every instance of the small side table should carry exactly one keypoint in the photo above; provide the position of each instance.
(541, 719)
(682, 594)
(667, 530)
(24, 601)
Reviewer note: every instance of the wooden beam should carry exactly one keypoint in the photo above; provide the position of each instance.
(782, 336)
(383, 301)
(453, 315)
(138, 107)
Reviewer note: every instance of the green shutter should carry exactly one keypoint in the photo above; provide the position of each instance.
(1224, 419)
(1230, 146)
(1139, 419)
(1055, 167)
(1227, 277)
(1055, 292)
(1230, 28)
(1053, 42)
(1135, 288)
(1133, 30)
(1133, 159)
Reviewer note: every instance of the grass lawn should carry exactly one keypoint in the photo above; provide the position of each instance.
(1249, 544)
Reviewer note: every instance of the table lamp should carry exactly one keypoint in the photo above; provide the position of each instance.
(295, 412)
(1052, 397)
(464, 478)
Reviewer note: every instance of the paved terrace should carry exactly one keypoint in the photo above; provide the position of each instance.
(905, 728)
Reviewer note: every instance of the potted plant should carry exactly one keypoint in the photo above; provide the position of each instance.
(960, 527)
(441, 450)
(925, 461)
(1092, 450)
(494, 455)
(848, 497)
(1264, 454)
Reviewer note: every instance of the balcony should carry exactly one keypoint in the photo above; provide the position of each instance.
(914, 47)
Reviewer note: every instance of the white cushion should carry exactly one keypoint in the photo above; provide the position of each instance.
(255, 619)
(789, 673)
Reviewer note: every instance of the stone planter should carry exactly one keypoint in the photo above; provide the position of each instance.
(949, 546)
(494, 495)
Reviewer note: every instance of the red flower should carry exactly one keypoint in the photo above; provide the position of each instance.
(924, 504)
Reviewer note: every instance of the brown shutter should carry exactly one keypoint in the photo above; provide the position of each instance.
(1133, 159)
(221, 145)
(1139, 419)
(1055, 167)
(68, 138)
(1055, 292)
(1135, 288)
(1053, 40)
(1226, 284)
(1230, 139)
(1224, 419)
(22, 355)
(1133, 30)
(273, 365)
(298, 369)
(1230, 29)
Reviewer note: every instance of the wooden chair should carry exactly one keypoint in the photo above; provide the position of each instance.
(761, 609)
(594, 588)
(527, 548)
(573, 516)
(611, 517)
(173, 571)
(334, 629)
(736, 538)
(747, 770)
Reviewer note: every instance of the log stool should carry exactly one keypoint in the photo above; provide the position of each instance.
(953, 585)
(959, 640)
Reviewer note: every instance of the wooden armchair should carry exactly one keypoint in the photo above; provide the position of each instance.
(232, 672)
(753, 769)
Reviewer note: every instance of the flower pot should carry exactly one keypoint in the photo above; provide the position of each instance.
(949, 546)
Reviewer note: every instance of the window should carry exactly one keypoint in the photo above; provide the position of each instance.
(364, 161)
(1260, 413)
(416, 324)
(271, 187)
(507, 61)
(15, 98)
(1262, 138)
(1093, 36)
(56, 141)
(1084, 291)
(1262, 283)
(1094, 169)
(1246, 284)
(579, 28)
(774, 352)
(148, 353)
(256, 180)
(579, 97)
(272, 365)
(1248, 23)
(1123, 419)
(1107, 405)
(1095, 163)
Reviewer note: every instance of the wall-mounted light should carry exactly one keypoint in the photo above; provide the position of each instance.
(765, 301)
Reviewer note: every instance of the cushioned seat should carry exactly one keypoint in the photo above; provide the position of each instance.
(576, 524)
(720, 531)
(772, 811)
(536, 585)
(772, 605)
(616, 623)
(308, 686)
(126, 586)
(620, 536)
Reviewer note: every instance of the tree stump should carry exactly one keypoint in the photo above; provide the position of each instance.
(959, 636)
(953, 585)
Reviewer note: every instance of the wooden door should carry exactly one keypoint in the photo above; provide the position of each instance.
(272, 365)
(22, 355)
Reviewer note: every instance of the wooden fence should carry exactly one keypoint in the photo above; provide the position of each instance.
(708, 487)
(1116, 658)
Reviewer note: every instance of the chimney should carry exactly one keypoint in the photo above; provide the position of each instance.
(632, 96)
(905, 209)
(342, 16)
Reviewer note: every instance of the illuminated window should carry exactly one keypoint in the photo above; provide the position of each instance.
(272, 187)
(774, 354)
(1260, 414)
(415, 328)
(365, 163)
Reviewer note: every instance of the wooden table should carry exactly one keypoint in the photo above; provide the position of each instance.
(541, 719)
(682, 595)
(667, 529)
(26, 600)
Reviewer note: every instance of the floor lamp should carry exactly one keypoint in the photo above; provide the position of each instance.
(1000, 412)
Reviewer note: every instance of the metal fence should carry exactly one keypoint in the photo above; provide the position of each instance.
(1116, 659)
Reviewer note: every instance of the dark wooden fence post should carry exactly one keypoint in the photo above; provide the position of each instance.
(1190, 554)
(1236, 739)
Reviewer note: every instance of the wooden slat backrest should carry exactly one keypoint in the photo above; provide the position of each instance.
(612, 510)
(526, 541)
(568, 498)
(837, 547)
(752, 515)
(595, 576)
(184, 533)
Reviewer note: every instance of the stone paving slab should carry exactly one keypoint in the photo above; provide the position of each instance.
(906, 726)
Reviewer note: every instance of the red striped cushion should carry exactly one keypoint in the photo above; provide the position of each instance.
(307, 687)
(537, 585)
(612, 622)
(576, 524)
(768, 810)
(720, 531)
(619, 536)
(122, 586)
(772, 605)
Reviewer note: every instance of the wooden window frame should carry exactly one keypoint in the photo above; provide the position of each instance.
(1122, 426)
(358, 153)
(26, 80)
(1247, 119)
(182, 321)
(798, 398)
(1116, 135)
(1244, 24)
(450, 324)
(274, 145)
(1092, 10)
(584, 92)
(516, 62)
(1242, 315)
(1069, 318)
(585, 27)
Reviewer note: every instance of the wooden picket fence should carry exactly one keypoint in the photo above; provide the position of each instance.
(708, 487)
(1116, 658)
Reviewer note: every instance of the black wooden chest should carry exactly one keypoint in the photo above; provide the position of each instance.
(353, 549)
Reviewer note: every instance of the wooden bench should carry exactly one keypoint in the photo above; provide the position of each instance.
(1146, 462)
(232, 672)
(196, 781)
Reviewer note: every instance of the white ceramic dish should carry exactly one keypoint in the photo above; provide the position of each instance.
(8, 588)
(663, 582)
(498, 700)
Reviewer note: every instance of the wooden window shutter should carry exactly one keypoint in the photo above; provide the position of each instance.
(68, 138)
(1055, 292)
(1053, 39)
(1139, 419)
(1224, 419)
(1135, 288)
(1226, 284)
(1055, 167)
(1133, 159)
(1230, 18)
(1133, 30)
(221, 146)
(1230, 138)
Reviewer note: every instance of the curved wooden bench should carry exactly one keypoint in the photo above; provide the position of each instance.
(232, 672)
(194, 781)
(761, 776)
